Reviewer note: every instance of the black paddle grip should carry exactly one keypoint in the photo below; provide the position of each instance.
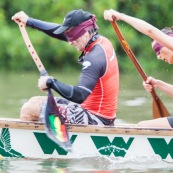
(43, 73)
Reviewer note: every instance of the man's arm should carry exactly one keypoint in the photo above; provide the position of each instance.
(46, 27)
(73, 93)
(87, 81)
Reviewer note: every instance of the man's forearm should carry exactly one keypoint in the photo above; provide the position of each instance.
(46, 27)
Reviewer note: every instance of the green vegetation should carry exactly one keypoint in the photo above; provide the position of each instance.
(58, 55)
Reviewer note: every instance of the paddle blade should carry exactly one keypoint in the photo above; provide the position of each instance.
(55, 124)
(159, 109)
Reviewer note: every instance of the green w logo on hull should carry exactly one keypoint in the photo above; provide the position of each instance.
(5, 145)
(118, 146)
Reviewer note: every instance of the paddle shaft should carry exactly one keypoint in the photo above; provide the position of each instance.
(62, 127)
(31, 50)
(131, 55)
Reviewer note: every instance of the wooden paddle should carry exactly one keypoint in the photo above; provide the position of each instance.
(54, 122)
(158, 108)
(31, 50)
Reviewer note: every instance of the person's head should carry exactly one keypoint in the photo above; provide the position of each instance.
(78, 26)
(162, 52)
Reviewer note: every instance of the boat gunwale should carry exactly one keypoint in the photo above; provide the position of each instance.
(127, 129)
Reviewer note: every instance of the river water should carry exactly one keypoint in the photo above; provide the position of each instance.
(87, 165)
(135, 104)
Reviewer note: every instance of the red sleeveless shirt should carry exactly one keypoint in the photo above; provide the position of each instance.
(104, 98)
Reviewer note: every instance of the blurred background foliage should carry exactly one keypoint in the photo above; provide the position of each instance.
(57, 55)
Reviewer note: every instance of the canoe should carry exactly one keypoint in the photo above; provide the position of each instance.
(26, 139)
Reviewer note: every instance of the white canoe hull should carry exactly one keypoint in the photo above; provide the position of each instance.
(29, 140)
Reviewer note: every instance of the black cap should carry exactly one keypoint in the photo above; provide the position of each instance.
(73, 18)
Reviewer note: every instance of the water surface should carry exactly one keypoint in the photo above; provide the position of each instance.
(134, 105)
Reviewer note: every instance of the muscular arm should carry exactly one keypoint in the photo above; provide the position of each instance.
(46, 27)
(149, 30)
(94, 67)
(73, 93)
(142, 27)
(165, 87)
(151, 83)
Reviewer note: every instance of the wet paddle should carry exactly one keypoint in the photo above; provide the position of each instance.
(159, 109)
(54, 121)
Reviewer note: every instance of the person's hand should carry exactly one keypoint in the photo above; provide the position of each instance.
(111, 14)
(149, 84)
(42, 82)
(20, 16)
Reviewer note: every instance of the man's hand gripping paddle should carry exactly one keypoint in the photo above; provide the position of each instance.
(54, 122)
(159, 109)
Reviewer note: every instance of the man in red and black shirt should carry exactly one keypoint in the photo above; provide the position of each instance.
(94, 99)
